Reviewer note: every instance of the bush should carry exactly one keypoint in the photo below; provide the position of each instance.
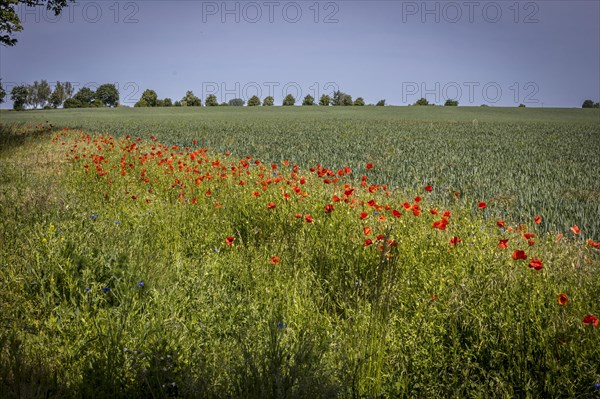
(254, 101)
(308, 100)
(451, 103)
(289, 100)
(268, 101)
(72, 103)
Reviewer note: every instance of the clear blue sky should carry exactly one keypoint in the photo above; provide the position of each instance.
(494, 52)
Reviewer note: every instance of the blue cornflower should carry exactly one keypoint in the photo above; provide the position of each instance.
(141, 284)
(597, 386)
(87, 289)
(106, 290)
(280, 324)
(93, 216)
(375, 213)
(117, 223)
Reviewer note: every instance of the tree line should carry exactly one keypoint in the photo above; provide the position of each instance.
(41, 95)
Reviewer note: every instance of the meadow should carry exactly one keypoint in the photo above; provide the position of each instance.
(300, 253)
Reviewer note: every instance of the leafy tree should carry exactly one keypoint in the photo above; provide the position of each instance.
(167, 102)
(2, 93)
(521, 105)
(32, 94)
(191, 100)
(142, 103)
(325, 100)
(224, 104)
(19, 95)
(177, 103)
(11, 23)
(58, 96)
(422, 101)
(289, 100)
(150, 97)
(341, 98)
(43, 93)
(68, 90)
(588, 104)
(211, 101)
(85, 96)
(359, 102)
(380, 103)
(72, 103)
(108, 95)
(308, 100)
(597, 105)
(254, 101)
(97, 104)
(268, 101)
(160, 103)
(451, 103)
(237, 102)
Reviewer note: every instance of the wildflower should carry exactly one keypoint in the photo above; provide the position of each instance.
(93, 216)
(141, 284)
(500, 224)
(528, 236)
(536, 263)
(538, 219)
(280, 324)
(271, 205)
(229, 240)
(519, 254)
(575, 230)
(328, 208)
(117, 223)
(368, 242)
(418, 199)
(275, 260)
(367, 230)
(455, 240)
(428, 189)
(503, 243)
(590, 319)
(106, 290)
(364, 215)
(369, 166)
(563, 299)
(308, 219)
(482, 205)
(395, 213)
(87, 289)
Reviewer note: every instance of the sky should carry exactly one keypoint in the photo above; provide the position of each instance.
(500, 53)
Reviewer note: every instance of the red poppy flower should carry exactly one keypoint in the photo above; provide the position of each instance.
(575, 230)
(519, 254)
(308, 219)
(503, 243)
(528, 236)
(455, 240)
(368, 242)
(349, 192)
(229, 240)
(369, 166)
(563, 299)
(395, 213)
(274, 166)
(406, 206)
(364, 215)
(590, 319)
(428, 189)
(271, 205)
(328, 208)
(347, 170)
(434, 211)
(275, 260)
(418, 199)
(256, 193)
(536, 263)
(298, 215)
(380, 237)
(538, 219)
(500, 223)
(531, 243)
(367, 230)
(447, 214)
(482, 205)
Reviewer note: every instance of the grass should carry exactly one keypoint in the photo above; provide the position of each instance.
(118, 280)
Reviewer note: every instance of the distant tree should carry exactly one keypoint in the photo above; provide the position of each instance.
(211, 101)
(85, 96)
(521, 105)
(19, 95)
(177, 104)
(359, 102)
(422, 101)
(237, 102)
(142, 103)
(32, 94)
(160, 103)
(2, 93)
(341, 98)
(597, 105)
(451, 103)
(191, 100)
(108, 95)
(58, 96)
(254, 101)
(150, 97)
(43, 93)
(167, 102)
(325, 100)
(308, 100)
(68, 90)
(97, 103)
(588, 104)
(380, 103)
(268, 101)
(289, 100)
(72, 103)
(484, 105)
(224, 104)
